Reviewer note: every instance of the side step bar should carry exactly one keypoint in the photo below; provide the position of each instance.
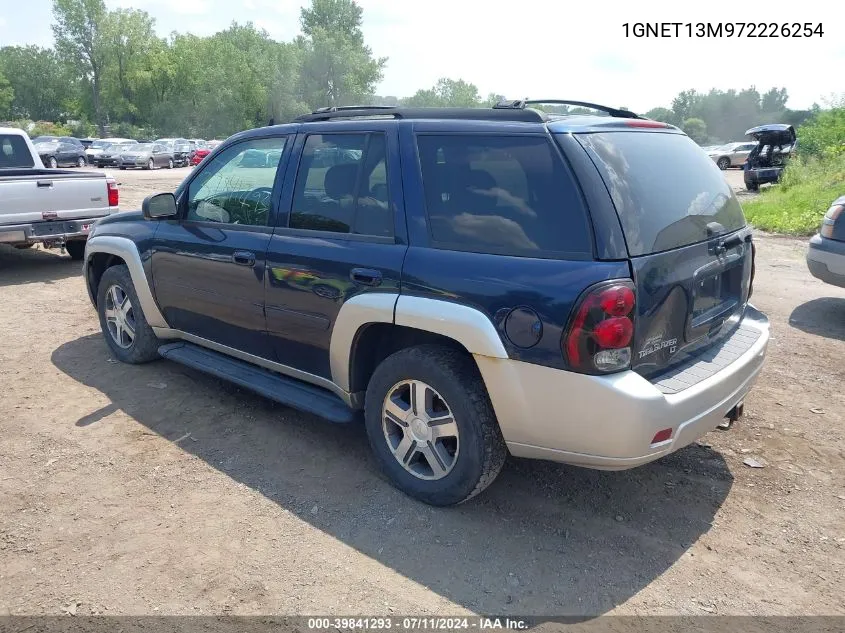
(287, 391)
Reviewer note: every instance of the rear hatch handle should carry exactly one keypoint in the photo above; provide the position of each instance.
(46, 184)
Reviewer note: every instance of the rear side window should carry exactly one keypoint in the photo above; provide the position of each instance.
(341, 185)
(14, 152)
(508, 195)
(665, 189)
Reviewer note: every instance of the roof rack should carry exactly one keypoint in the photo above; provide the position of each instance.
(523, 103)
(398, 112)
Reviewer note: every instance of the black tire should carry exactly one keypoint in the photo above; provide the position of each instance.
(122, 168)
(76, 249)
(52, 163)
(144, 346)
(723, 163)
(151, 164)
(81, 162)
(455, 377)
(752, 186)
(22, 247)
(170, 164)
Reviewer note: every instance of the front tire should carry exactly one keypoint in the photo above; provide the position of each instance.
(170, 164)
(81, 162)
(723, 163)
(151, 164)
(52, 162)
(431, 425)
(127, 333)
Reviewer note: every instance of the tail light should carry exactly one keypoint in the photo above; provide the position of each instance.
(114, 194)
(600, 332)
(830, 218)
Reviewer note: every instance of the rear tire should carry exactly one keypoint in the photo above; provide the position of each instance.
(723, 163)
(76, 249)
(753, 186)
(439, 463)
(114, 291)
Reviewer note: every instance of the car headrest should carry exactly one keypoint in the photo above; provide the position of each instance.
(340, 180)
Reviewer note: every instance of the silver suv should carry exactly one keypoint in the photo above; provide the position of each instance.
(731, 155)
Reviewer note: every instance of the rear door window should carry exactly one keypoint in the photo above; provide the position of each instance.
(341, 185)
(14, 152)
(509, 195)
(665, 189)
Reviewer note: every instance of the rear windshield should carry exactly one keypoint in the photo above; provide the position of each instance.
(14, 152)
(665, 188)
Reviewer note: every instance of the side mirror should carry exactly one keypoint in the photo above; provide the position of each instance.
(159, 205)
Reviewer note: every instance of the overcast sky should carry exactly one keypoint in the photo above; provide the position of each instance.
(536, 48)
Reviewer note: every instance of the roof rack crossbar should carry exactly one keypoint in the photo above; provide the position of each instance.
(614, 112)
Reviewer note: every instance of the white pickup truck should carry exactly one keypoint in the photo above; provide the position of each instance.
(55, 208)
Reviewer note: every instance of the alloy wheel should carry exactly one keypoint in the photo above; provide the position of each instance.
(420, 429)
(120, 317)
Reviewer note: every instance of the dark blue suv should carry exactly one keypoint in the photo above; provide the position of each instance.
(475, 282)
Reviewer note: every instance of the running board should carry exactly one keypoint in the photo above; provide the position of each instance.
(287, 391)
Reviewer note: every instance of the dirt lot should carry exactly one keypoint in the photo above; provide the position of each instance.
(156, 489)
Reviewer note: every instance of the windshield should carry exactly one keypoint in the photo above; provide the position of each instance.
(666, 191)
(99, 145)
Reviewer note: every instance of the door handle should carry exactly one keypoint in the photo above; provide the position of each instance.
(366, 276)
(243, 258)
(45, 183)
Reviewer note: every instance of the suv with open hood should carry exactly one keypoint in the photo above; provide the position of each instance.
(775, 144)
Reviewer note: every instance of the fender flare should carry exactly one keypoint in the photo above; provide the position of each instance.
(468, 326)
(127, 250)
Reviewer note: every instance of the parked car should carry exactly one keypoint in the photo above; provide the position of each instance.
(775, 144)
(93, 151)
(731, 155)
(181, 153)
(109, 156)
(826, 254)
(58, 151)
(51, 207)
(199, 154)
(468, 285)
(146, 156)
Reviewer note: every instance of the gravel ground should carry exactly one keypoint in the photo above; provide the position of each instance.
(156, 489)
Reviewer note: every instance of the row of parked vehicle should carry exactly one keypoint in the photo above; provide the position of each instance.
(124, 153)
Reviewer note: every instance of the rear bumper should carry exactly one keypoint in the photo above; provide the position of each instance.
(608, 422)
(762, 175)
(826, 260)
(48, 231)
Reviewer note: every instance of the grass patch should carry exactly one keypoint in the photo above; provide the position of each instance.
(797, 204)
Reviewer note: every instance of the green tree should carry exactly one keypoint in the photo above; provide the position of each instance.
(337, 67)
(7, 96)
(44, 90)
(79, 32)
(774, 100)
(455, 93)
(696, 129)
(685, 104)
(663, 114)
(129, 41)
(823, 134)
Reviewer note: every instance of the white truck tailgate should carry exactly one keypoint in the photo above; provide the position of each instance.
(27, 199)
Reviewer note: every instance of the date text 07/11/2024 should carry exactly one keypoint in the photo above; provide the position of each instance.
(722, 29)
